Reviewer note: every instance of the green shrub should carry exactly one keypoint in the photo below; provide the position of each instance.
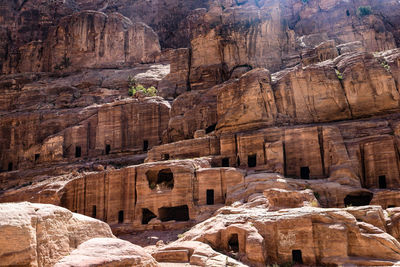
(339, 75)
(364, 11)
(134, 88)
(314, 203)
(386, 66)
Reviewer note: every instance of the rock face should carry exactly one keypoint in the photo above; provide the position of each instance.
(278, 34)
(91, 40)
(147, 196)
(39, 234)
(78, 116)
(95, 131)
(274, 134)
(258, 237)
(195, 253)
(108, 252)
(27, 24)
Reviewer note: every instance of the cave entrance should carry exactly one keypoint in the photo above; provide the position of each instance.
(238, 161)
(297, 257)
(360, 199)
(163, 179)
(305, 173)
(233, 243)
(252, 160)
(108, 149)
(166, 157)
(225, 162)
(145, 145)
(121, 216)
(179, 213)
(210, 128)
(210, 196)
(78, 152)
(10, 166)
(37, 156)
(147, 215)
(94, 211)
(382, 182)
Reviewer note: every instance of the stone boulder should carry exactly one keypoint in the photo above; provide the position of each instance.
(107, 252)
(41, 234)
(195, 253)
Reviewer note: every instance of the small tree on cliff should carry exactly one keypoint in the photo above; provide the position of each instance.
(136, 89)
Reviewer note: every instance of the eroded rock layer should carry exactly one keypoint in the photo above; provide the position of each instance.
(273, 133)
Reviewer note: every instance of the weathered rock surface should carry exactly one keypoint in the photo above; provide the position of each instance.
(195, 253)
(45, 118)
(320, 92)
(108, 252)
(40, 234)
(257, 236)
(162, 195)
(42, 137)
(276, 108)
(27, 24)
(278, 34)
(91, 40)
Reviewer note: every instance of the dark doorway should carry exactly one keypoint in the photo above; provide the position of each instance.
(211, 128)
(233, 243)
(305, 173)
(166, 178)
(297, 257)
(382, 182)
(10, 166)
(361, 199)
(108, 149)
(78, 152)
(252, 161)
(391, 206)
(37, 156)
(94, 211)
(210, 197)
(145, 145)
(121, 216)
(147, 215)
(238, 161)
(348, 13)
(166, 156)
(163, 179)
(225, 162)
(179, 213)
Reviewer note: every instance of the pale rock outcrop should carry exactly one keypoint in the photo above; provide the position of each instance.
(195, 253)
(342, 238)
(41, 234)
(107, 252)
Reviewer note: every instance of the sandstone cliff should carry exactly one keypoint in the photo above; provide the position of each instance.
(273, 136)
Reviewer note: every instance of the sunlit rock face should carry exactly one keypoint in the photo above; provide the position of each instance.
(91, 39)
(40, 235)
(273, 136)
